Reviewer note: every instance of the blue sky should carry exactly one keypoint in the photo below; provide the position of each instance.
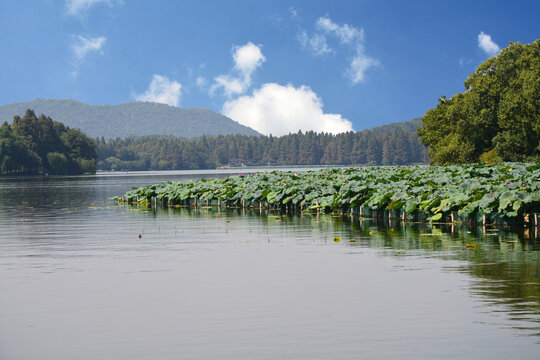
(277, 66)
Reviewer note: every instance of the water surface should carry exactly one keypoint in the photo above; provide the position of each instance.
(82, 278)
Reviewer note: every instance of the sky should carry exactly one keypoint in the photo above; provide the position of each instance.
(276, 66)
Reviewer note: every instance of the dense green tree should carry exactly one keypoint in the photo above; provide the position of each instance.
(81, 151)
(58, 163)
(39, 134)
(496, 118)
(35, 145)
(80, 145)
(16, 158)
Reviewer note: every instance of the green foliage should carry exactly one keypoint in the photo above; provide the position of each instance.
(80, 145)
(86, 166)
(512, 189)
(394, 144)
(15, 156)
(58, 163)
(35, 145)
(490, 157)
(39, 134)
(500, 109)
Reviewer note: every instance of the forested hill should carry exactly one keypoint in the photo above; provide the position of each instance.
(393, 144)
(129, 119)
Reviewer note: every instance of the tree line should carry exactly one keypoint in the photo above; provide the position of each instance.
(389, 145)
(34, 146)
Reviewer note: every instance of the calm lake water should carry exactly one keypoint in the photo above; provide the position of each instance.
(77, 282)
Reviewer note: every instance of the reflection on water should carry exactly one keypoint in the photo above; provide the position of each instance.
(81, 277)
(504, 264)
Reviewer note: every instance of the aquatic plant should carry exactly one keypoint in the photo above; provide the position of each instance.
(506, 191)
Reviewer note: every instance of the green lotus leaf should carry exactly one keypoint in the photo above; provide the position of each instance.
(436, 217)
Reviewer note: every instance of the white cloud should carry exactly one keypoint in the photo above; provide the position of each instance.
(293, 12)
(247, 59)
(348, 36)
(317, 43)
(487, 45)
(78, 7)
(162, 90)
(276, 109)
(83, 46)
(201, 81)
(360, 63)
(231, 85)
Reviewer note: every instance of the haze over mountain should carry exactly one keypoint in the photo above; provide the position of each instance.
(133, 118)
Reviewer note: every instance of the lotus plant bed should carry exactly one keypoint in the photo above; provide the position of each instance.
(507, 193)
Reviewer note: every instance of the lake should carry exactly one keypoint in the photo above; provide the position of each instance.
(84, 278)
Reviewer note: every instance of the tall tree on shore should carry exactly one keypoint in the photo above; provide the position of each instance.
(496, 118)
(16, 157)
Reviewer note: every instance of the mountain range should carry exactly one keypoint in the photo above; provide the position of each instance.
(129, 119)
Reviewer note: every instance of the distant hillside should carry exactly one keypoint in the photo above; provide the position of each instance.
(134, 118)
(406, 126)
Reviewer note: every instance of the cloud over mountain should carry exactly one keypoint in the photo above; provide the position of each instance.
(276, 109)
(162, 90)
